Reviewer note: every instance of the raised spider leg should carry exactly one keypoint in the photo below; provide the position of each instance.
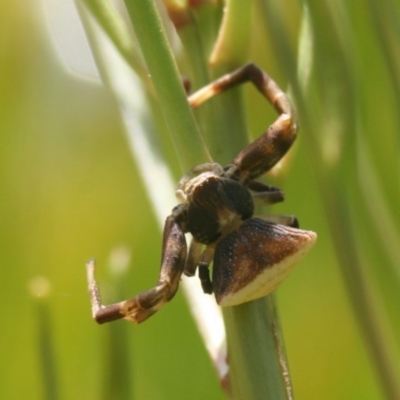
(142, 306)
(261, 155)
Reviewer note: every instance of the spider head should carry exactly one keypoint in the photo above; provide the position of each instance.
(189, 184)
(213, 204)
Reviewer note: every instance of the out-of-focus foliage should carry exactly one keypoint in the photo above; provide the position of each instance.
(70, 190)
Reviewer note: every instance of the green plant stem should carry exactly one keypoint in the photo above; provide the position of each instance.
(188, 143)
(47, 356)
(257, 360)
(39, 288)
(112, 24)
(229, 52)
(258, 366)
(233, 38)
(197, 36)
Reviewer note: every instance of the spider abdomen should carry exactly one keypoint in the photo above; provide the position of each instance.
(253, 260)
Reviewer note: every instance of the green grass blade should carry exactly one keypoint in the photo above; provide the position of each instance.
(164, 73)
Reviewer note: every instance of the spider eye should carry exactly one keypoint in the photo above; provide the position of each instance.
(254, 260)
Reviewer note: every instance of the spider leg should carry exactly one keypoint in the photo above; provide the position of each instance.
(261, 155)
(142, 306)
(267, 198)
(265, 194)
(257, 186)
(204, 272)
(200, 259)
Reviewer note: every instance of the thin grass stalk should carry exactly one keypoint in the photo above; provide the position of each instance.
(39, 288)
(257, 358)
(258, 365)
(197, 30)
(111, 22)
(116, 384)
(385, 17)
(189, 145)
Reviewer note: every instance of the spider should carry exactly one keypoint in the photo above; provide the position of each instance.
(251, 256)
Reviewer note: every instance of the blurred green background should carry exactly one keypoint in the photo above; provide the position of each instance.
(69, 190)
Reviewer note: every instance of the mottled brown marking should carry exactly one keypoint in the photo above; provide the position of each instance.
(242, 255)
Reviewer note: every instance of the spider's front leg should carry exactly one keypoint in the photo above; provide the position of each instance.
(142, 306)
(261, 155)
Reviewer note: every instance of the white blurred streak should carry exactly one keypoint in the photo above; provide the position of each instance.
(156, 176)
(209, 322)
(69, 39)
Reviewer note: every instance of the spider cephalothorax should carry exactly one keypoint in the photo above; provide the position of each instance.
(251, 255)
(212, 203)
